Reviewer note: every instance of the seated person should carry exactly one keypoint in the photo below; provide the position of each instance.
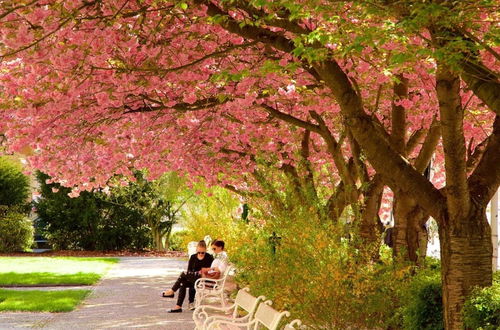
(220, 263)
(186, 280)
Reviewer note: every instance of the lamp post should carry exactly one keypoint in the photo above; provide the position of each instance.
(274, 241)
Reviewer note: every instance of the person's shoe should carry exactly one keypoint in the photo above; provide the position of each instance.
(191, 306)
(165, 294)
(177, 310)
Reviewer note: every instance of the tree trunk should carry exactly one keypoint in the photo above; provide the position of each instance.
(466, 252)
(157, 239)
(410, 233)
(370, 226)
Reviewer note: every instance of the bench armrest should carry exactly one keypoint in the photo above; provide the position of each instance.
(201, 283)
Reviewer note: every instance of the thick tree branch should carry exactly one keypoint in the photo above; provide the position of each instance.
(452, 115)
(271, 19)
(398, 132)
(245, 194)
(337, 202)
(291, 119)
(485, 179)
(484, 83)
(429, 146)
(474, 156)
(398, 173)
(378, 150)
(360, 166)
(182, 106)
(336, 152)
(309, 177)
(414, 140)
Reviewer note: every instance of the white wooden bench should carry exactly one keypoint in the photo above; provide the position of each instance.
(294, 325)
(244, 301)
(211, 288)
(265, 316)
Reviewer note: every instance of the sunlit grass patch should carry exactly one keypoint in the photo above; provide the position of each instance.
(53, 270)
(47, 279)
(41, 301)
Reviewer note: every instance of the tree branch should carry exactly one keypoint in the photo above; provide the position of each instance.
(429, 146)
(414, 140)
(309, 177)
(452, 115)
(291, 119)
(485, 179)
(474, 156)
(398, 114)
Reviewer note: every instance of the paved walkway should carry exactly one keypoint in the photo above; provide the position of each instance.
(127, 298)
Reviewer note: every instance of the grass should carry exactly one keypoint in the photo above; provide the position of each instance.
(41, 301)
(31, 271)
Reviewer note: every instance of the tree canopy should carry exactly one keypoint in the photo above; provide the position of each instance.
(347, 96)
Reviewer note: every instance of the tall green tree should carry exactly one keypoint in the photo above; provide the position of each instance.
(89, 221)
(14, 185)
(159, 203)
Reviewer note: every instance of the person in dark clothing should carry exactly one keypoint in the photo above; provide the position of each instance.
(186, 280)
(389, 237)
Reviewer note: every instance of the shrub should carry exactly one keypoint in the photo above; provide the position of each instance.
(88, 222)
(16, 231)
(177, 240)
(212, 213)
(301, 262)
(321, 278)
(482, 309)
(14, 185)
(121, 228)
(421, 300)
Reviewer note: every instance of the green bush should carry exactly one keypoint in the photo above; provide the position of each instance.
(421, 300)
(14, 185)
(303, 264)
(211, 213)
(16, 231)
(177, 240)
(88, 222)
(482, 309)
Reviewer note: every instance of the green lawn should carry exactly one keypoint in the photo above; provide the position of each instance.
(53, 270)
(41, 301)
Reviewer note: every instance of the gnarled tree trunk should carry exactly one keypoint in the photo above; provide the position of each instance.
(410, 232)
(466, 251)
(370, 226)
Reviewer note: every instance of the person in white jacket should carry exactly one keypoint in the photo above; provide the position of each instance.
(220, 262)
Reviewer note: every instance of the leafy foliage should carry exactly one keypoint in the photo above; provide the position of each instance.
(89, 221)
(306, 267)
(137, 107)
(422, 306)
(14, 185)
(212, 213)
(159, 203)
(482, 309)
(16, 231)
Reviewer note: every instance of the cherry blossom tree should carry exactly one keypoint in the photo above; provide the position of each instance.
(366, 91)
